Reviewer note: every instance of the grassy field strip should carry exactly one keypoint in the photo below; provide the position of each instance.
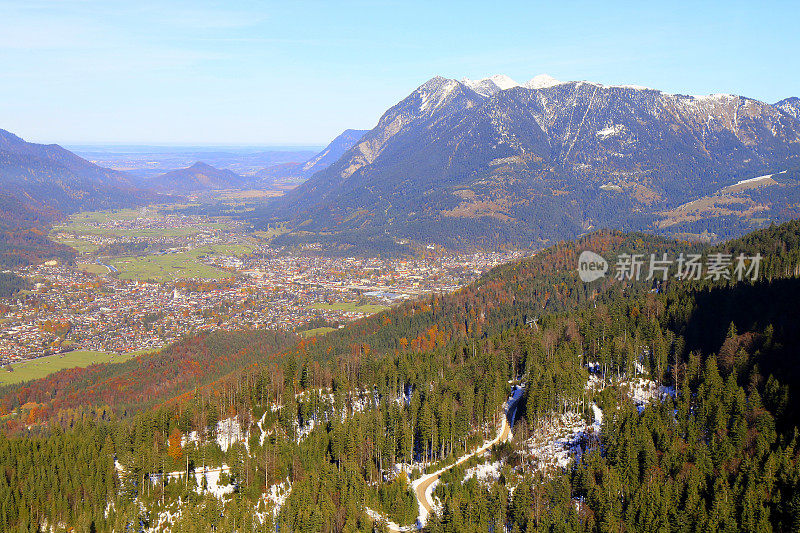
(44, 366)
(315, 332)
(165, 268)
(350, 307)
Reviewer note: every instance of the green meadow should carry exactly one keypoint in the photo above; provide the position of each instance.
(44, 366)
(315, 332)
(165, 267)
(350, 307)
(93, 222)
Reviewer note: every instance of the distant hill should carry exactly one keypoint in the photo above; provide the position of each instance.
(143, 162)
(493, 161)
(42, 183)
(198, 177)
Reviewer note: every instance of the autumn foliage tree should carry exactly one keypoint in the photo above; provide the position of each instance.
(175, 449)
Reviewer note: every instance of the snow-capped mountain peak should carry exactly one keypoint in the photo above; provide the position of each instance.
(500, 82)
(491, 85)
(542, 81)
(503, 81)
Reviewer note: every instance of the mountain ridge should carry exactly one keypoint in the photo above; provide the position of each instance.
(40, 184)
(449, 153)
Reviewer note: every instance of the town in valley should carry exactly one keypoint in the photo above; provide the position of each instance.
(149, 276)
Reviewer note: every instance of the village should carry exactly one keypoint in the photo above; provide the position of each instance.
(69, 308)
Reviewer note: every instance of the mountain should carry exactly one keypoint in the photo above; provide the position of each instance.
(790, 106)
(322, 160)
(41, 183)
(198, 177)
(496, 161)
(51, 178)
(333, 151)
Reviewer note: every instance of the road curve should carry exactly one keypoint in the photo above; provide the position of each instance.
(421, 486)
(426, 481)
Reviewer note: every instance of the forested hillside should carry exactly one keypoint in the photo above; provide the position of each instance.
(40, 184)
(326, 434)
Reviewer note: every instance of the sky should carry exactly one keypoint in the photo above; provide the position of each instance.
(300, 72)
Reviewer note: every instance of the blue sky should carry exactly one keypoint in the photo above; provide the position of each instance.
(299, 72)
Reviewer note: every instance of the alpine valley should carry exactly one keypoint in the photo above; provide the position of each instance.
(202, 343)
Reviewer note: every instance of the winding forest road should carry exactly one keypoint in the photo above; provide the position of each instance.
(423, 487)
(426, 481)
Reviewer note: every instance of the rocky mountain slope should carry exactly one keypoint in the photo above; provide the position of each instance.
(301, 171)
(336, 149)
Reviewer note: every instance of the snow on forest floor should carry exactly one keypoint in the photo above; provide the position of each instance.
(487, 472)
(558, 440)
(273, 500)
(270, 502)
(227, 432)
(391, 526)
(642, 391)
(211, 475)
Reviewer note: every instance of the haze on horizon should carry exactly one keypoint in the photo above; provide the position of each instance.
(276, 73)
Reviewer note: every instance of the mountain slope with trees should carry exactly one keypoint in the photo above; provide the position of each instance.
(459, 164)
(327, 418)
(42, 183)
(198, 177)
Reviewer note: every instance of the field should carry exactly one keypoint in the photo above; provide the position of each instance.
(43, 366)
(102, 223)
(222, 249)
(164, 268)
(350, 307)
(171, 267)
(315, 332)
(83, 247)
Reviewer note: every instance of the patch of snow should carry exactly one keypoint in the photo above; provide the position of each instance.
(189, 438)
(717, 96)
(598, 415)
(277, 495)
(636, 87)
(211, 475)
(484, 472)
(164, 520)
(491, 85)
(610, 131)
(229, 432)
(392, 526)
(559, 440)
(753, 180)
(594, 383)
(212, 481)
(642, 391)
(503, 81)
